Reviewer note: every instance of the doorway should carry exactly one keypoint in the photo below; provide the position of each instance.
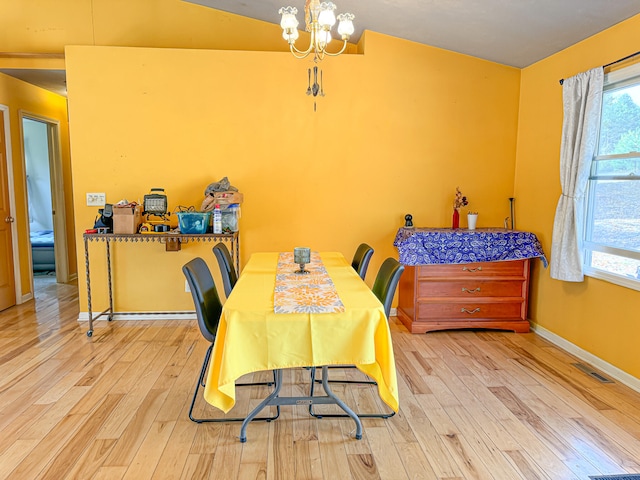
(39, 206)
(45, 200)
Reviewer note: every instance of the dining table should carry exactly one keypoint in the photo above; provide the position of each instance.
(277, 318)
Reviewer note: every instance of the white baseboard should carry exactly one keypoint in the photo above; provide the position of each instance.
(84, 316)
(25, 298)
(611, 371)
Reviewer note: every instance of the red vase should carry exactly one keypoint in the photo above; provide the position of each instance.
(456, 219)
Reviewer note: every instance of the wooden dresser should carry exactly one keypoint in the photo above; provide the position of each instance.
(470, 295)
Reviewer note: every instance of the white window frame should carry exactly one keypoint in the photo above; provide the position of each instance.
(613, 80)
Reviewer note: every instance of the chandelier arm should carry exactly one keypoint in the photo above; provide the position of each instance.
(300, 53)
(344, 46)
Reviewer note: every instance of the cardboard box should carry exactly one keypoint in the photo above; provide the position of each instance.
(127, 219)
(227, 198)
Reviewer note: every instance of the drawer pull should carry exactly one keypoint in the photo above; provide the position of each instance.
(471, 312)
(467, 269)
(464, 289)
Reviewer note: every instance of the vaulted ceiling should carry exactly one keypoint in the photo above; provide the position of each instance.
(510, 32)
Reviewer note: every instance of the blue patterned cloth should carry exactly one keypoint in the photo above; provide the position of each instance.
(428, 246)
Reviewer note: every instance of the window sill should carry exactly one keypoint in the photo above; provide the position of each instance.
(627, 282)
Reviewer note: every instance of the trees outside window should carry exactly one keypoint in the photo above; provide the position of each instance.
(612, 227)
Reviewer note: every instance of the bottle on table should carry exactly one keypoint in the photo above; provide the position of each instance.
(217, 219)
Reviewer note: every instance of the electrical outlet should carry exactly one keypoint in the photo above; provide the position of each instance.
(96, 199)
(186, 287)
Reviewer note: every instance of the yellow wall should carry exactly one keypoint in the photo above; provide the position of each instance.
(595, 315)
(20, 96)
(418, 121)
(400, 127)
(33, 32)
(47, 27)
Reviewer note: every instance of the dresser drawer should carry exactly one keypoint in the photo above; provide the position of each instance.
(469, 310)
(472, 295)
(470, 289)
(513, 268)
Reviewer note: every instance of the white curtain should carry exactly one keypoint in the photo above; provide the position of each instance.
(582, 100)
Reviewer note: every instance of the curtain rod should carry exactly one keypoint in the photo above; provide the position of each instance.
(612, 63)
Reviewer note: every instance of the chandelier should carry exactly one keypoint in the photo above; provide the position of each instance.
(320, 19)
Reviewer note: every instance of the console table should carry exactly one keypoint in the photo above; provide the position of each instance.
(172, 242)
(465, 278)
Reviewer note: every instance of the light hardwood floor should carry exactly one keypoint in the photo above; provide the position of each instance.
(474, 405)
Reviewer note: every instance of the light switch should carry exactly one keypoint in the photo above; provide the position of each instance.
(96, 199)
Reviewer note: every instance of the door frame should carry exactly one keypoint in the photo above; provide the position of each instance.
(60, 242)
(12, 204)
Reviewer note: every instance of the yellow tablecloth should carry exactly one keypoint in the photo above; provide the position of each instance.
(251, 337)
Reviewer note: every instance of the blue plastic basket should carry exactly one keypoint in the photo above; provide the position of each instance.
(193, 222)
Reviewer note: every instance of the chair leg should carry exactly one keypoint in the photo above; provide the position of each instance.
(340, 415)
(255, 384)
(362, 382)
(201, 383)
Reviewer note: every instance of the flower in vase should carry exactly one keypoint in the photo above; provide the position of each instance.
(460, 200)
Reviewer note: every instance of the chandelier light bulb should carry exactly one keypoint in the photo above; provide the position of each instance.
(324, 38)
(345, 27)
(290, 36)
(326, 17)
(289, 20)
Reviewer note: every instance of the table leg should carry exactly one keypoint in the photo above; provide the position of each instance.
(109, 281)
(275, 399)
(273, 395)
(341, 404)
(86, 269)
(237, 251)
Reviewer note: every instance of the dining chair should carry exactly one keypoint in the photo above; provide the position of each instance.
(384, 287)
(227, 270)
(360, 264)
(361, 258)
(208, 311)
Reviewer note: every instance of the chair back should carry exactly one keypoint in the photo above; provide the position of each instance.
(386, 282)
(205, 297)
(361, 258)
(227, 271)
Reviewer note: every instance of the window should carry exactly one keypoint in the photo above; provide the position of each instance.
(612, 227)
